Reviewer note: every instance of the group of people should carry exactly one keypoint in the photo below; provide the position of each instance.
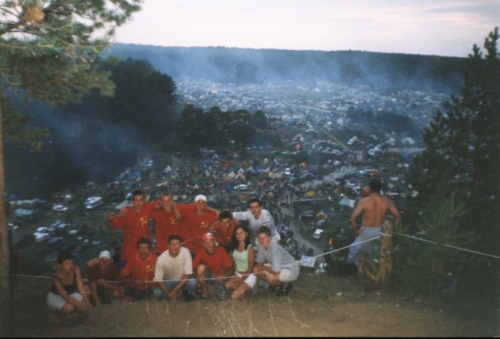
(195, 245)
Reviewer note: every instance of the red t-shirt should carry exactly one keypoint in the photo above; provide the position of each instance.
(166, 225)
(214, 261)
(135, 226)
(138, 269)
(94, 274)
(224, 237)
(194, 226)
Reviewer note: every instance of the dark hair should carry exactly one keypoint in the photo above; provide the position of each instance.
(225, 215)
(264, 229)
(235, 242)
(63, 256)
(375, 186)
(137, 192)
(254, 200)
(144, 241)
(166, 194)
(174, 237)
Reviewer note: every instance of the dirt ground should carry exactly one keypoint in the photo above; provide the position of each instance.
(316, 306)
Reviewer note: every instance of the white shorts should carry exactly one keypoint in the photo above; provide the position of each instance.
(250, 280)
(55, 302)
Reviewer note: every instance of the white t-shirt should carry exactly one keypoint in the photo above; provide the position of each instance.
(168, 268)
(265, 219)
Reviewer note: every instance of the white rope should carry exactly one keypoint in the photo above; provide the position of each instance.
(450, 246)
(343, 248)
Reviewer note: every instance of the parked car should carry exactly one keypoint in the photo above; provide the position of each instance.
(318, 234)
(241, 187)
(73, 229)
(306, 215)
(60, 208)
(287, 171)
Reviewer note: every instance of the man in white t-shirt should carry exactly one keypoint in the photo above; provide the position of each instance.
(174, 271)
(256, 217)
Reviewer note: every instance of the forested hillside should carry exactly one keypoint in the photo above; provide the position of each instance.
(427, 73)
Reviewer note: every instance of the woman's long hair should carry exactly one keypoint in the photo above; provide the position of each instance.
(235, 242)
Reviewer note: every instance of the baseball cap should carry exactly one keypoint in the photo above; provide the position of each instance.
(200, 197)
(105, 254)
(208, 236)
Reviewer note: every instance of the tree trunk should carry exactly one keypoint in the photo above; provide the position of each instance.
(5, 312)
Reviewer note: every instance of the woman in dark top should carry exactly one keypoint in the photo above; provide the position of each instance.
(67, 294)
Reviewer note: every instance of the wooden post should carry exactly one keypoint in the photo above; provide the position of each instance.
(380, 273)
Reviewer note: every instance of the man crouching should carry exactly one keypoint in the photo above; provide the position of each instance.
(138, 274)
(280, 268)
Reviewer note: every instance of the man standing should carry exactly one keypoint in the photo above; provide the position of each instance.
(167, 222)
(281, 268)
(103, 277)
(212, 262)
(224, 228)
(256, 217)
(138, 274)
(134, 222)
(174, 270)
(374, 209)
(196, 218)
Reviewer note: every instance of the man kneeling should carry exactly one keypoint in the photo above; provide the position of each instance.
(138, 274)
(280, 268)
(174, 271)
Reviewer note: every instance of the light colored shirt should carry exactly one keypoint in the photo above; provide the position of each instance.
(169, 268)
(277, 257)
(265, 219)
(241, 259)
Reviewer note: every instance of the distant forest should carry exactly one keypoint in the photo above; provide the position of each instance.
(236, 65)
(98, 138)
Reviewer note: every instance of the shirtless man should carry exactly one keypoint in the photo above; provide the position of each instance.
(374, 209)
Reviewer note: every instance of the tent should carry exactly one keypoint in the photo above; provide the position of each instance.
(167, 169)
(309, 194)
(347, 202)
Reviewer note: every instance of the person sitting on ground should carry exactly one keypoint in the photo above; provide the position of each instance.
(243, 255)
(138, 274)
(67, 294)
(224, 228)
(212, 262)
(103, 279)
(174, 271)
(281, 268)
(257, 216)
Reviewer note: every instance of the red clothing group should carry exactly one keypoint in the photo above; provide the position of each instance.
(224, 238)
(194, 226)
(135, 226)
(215, 262)
(166, 225)
(138, 269)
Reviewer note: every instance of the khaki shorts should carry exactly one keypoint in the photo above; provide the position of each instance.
(55, 302)
(286, 275)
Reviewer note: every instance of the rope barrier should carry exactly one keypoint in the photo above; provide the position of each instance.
(450, 246)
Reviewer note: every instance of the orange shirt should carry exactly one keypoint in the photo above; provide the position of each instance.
(214, 261)
(194, 226)
(224, 237)
(166, 225)
(135, 226)
(138, 269)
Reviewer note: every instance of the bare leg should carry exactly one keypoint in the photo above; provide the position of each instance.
(240, 291)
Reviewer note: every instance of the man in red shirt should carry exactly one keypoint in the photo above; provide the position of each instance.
(195, 219)
(167, 222)
(135, 223)
(138, 274)
(212, 262)
(225, 229)
(103, 276)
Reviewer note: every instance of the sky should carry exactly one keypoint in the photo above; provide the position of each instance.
(429, 27)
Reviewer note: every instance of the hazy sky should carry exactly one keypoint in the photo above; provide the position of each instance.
(435, 27)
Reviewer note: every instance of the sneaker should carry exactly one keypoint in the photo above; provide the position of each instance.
(285, 289)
